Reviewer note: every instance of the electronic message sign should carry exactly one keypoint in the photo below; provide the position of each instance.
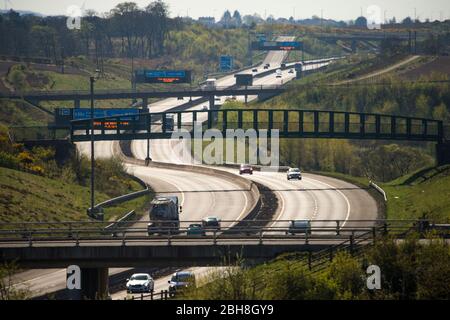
(163, 76)
(277, 45)
(63, 116)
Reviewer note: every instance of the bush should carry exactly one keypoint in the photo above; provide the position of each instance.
(8, 160)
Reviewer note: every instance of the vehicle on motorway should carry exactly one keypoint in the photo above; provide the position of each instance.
(210, 84)
(294, 173)
(245, 168)
(299, 226)
(266, 67)
(139, 283)
(169, 125)
(278, 73)
(254, 70)
(196, 230)
(164, 215)
(291, 71)
(205, 108)
(180, 98)
(216, 98)
(283, 65)
(211, 223)
(180, 281)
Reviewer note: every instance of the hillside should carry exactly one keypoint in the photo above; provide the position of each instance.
(22, 199)
(423, 194)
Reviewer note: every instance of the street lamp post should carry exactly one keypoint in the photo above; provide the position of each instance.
(92, 80)
(92, 212)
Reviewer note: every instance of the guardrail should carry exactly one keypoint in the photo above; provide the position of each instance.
(163, 295)
(122, 199)
(122, 222)
(327, 231)
(379, 189)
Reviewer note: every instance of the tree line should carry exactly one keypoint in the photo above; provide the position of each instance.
(126, 31)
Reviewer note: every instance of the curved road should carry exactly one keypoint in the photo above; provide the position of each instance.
(315, 197)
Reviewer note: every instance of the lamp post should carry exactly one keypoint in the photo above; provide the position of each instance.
(92, 212)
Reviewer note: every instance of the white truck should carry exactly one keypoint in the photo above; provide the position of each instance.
(164, 215)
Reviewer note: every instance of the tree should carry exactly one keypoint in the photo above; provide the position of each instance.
(407, 21)
(7, 290)
(361, 22)
(237, 20)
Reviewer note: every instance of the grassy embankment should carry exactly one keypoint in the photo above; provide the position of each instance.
(22, 199)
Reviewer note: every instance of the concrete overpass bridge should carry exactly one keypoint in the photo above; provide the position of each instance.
(95, 248)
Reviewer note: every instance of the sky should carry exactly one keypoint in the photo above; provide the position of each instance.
(300, 9)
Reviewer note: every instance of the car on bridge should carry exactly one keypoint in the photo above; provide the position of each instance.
(169, 124)
(210, 84)
(278, 73)
(181, 281)
(139, 283)
(245, 168)
(299, 226)
(211, 223)
(294, 173)
(196, 230)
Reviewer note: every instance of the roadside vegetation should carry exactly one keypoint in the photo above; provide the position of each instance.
(409, 270)
(24, 173)
(423, 194)
(7, 289)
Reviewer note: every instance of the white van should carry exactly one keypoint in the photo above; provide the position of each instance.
(278, 73)
(210, 84)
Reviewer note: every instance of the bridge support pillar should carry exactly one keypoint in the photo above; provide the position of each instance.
(211, 103)
(145, 103)
(443, 153)
(94, 283)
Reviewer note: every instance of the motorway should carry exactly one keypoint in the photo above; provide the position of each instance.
(315, 197)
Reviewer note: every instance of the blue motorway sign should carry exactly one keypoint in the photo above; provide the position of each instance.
(163, 76)
(226, 63)
(85, 113)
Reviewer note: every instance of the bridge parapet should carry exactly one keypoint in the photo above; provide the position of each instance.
(290, 123)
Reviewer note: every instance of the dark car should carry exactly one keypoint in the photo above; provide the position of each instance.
(211, 223)
(196, 230)
(255, 70)
(245, 168)
(180, 281)
(299, 226)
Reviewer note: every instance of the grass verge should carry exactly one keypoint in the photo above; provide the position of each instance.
(22, 199)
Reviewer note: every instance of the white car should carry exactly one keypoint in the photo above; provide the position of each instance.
(294, 173)
(140, 282)
(278, 73)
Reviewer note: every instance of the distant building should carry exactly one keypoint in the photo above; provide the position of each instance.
(207, 21)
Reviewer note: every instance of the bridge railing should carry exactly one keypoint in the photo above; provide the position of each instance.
(290, 123)
(101, 92)
(229, 231)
